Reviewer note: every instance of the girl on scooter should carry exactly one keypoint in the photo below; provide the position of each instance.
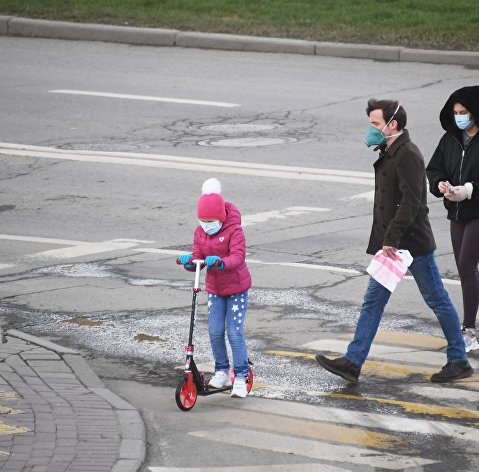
(220, 241)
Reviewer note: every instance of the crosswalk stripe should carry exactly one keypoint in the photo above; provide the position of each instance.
(310, 448)
(318, 430)
(401, 338)
(444, 393)
(394, 353)
(414, 407)
(384, 421)
(387, 370)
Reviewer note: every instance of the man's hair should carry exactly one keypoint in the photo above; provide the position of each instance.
(388, 107)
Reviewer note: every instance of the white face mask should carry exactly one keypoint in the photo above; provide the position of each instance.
(211, 227)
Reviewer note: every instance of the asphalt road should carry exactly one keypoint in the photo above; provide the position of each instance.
(98, 196)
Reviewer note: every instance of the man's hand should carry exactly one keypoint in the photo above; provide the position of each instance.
(390, 252)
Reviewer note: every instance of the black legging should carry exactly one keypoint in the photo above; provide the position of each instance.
(465, 242)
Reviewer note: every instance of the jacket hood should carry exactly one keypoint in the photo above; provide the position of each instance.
(233, 215)
(466, 96)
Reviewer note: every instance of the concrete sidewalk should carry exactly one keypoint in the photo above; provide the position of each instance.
(56, 415)
(26, 27)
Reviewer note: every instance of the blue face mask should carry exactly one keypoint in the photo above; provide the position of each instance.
(212, 227)
(463, 122)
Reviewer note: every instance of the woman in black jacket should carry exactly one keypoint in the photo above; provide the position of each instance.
(453, 174)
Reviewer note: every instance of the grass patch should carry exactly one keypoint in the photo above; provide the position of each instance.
(441, 24)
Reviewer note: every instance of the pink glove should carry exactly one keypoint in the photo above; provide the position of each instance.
(456, 194)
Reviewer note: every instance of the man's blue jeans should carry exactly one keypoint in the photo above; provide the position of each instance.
(229, 311)
(428, 279)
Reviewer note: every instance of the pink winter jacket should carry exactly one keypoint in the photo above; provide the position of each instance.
(229, 244)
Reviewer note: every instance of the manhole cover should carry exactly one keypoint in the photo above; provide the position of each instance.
(237, 128)
(246, 142)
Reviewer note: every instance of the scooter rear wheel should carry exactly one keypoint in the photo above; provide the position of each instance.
(186, 395)
(249, 381)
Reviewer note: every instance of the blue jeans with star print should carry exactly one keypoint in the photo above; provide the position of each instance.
(228, 314)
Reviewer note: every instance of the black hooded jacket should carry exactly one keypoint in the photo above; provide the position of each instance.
(451, 162)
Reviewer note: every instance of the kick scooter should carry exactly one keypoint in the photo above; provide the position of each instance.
(193, 382)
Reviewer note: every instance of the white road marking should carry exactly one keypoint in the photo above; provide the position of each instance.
(310, 467)
(191, 164)
(444, 393)
(384, 421)
(369, 196)
(84, 248)
(207, 367)
(256, 261)
(299, 265)
(444, 281)
(279, 214)
(75, 249)
(382, 352)
(311, 448)
(35, 239)
(148, 98)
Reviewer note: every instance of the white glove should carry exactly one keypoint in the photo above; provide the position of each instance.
(456, 194)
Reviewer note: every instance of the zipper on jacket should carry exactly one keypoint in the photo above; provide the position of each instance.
(460, 181)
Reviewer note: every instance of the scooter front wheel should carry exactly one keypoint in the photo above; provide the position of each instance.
(186, 395)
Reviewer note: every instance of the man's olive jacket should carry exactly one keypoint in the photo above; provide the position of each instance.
(400, 200)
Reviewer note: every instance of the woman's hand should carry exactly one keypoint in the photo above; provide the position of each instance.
(443, 186)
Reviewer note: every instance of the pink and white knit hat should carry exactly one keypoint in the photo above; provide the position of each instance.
(211, 205)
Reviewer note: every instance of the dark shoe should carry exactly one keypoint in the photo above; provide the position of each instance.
(451, 372)
(340, 366)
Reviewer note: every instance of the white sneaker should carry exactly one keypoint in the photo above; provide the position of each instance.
(470, 339)
(239, 388)
(220, 379)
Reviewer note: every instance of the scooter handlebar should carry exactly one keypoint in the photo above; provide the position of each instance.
(194, 261)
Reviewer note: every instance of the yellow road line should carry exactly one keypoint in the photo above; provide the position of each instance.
(318, 430)
(303, 355)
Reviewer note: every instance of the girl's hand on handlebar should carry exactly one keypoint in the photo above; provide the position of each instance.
(186, 260)
(214, 262)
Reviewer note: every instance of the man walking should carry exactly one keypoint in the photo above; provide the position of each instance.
(400, 222)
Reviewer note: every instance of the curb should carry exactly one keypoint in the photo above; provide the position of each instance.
(132, 450)
(26, 27)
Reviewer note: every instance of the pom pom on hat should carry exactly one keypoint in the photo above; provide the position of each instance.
(211, 205)
(211, 186)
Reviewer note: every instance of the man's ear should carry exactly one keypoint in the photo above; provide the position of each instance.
(393, 125)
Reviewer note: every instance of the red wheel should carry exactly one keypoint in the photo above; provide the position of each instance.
(249, 381)
(186, 394)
